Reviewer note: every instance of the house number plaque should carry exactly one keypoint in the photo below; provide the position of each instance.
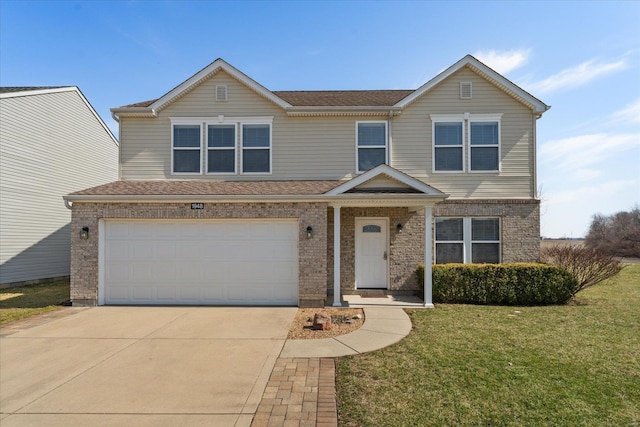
(197, 205)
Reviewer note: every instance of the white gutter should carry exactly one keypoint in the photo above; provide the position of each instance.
(67, 204)
(358, 199)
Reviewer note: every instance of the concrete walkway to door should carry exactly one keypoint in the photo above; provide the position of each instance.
(141, 366)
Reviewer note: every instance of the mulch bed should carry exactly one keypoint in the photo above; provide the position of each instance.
(302, 325)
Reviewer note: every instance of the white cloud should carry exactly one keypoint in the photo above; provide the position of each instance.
(577, 76)
(578, 152)
(505, 61)
(629, 114)
(584, 174)
(588, 192)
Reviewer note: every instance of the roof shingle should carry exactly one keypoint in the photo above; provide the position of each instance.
(210, 188)
(329, 98)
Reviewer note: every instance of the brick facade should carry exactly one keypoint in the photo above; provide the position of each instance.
(520, 237)
(520, 231)
(312, 252)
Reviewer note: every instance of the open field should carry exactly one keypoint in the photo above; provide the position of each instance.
(576, 365)
(25, 301)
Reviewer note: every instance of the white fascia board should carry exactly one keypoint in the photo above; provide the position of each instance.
(215, 66)
(37, 92)
(343, 200)
(403, 178)
(538, 106)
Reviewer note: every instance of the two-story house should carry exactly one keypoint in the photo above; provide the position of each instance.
(234, 194)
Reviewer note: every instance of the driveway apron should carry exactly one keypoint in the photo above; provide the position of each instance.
(141, 366)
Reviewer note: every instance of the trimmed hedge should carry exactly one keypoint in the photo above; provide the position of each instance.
(501, 284)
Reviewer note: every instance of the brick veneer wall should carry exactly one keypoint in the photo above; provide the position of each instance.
(312, 252)
(520, 228)
(520, 223)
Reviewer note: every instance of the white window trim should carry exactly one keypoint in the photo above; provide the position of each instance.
(191, 123)
(238, 121)
(441, 118)
(242, 148)
(235, 147)
(464, 233)
(385, 146)
(499, 242)
(485, 118)
(467, 242)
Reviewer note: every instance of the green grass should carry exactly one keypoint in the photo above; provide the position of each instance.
(573, 365)
(26, 301)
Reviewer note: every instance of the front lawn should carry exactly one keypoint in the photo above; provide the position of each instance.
(25, 301)
(573, 365)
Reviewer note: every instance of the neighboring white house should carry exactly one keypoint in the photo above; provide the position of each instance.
(52, 142)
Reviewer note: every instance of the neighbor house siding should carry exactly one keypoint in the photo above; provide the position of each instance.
(412, 140)
(50, 145)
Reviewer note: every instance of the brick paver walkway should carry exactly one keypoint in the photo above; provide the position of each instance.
(300, 393)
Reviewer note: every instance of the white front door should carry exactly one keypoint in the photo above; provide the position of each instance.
(371, 253)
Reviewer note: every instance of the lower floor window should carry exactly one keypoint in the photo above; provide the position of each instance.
(467, 240)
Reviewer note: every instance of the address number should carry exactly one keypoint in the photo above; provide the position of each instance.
(197, 205)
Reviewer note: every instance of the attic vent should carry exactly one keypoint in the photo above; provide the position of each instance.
(221, 92)
(465, 90)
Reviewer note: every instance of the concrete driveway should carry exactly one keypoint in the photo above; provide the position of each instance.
(141, 366)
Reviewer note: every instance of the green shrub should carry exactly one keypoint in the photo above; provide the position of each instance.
(501, 284)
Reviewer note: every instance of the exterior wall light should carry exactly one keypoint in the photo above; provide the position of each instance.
(84, 233)
(309, 232)
(399, 228)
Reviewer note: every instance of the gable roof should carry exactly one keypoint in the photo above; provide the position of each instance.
(303, 102)
(487, 73)
(202, 75)
(406, 181)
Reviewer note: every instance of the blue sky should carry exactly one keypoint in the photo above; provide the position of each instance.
(582, 58)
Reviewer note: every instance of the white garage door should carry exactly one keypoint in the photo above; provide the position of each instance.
(200, 262)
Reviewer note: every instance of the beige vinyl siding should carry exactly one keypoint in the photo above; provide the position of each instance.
(50, 145)
(302, 148)
(324, 147)
(412, 145)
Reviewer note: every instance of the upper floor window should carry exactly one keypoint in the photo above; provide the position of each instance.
(221, 149)
(464, 240)
(447, 147)
(186, 151)
(256, 148)
(484, 146)
(371, 142)
(450, 134)
(224, 145)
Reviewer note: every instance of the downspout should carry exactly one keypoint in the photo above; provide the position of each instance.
(67, 204)
(389, 136)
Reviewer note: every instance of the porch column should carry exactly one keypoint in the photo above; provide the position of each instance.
(336, 257)
(428, 257)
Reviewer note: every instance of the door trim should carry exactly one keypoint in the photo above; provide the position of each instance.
(357, 221)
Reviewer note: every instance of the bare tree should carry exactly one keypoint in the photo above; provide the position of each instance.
(617, 234)
(589, 266)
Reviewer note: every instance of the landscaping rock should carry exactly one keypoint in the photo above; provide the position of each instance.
(321, 322)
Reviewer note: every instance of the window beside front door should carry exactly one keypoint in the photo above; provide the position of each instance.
(467, 240)
(371, 142)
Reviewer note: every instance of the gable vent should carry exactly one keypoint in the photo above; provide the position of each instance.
(465, 90)
(221, 92)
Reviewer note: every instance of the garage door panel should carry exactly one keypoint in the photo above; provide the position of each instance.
(201, 262)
